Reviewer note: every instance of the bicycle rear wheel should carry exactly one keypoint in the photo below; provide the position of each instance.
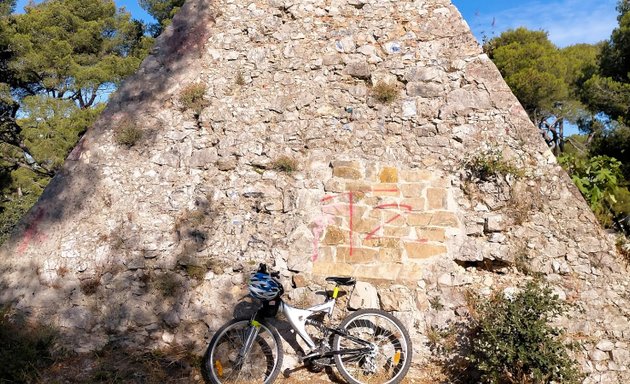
(261, 365)
(387, 357)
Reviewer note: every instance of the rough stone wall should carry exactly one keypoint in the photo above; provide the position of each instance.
(152, 244)
(382, 222)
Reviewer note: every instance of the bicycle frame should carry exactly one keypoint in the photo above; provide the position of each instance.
(298, 317)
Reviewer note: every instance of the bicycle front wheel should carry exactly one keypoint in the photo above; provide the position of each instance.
(376, 349)
(222, 362)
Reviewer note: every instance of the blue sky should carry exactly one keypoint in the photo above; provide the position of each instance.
(567, 21)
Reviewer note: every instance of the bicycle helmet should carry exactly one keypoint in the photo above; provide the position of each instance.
(264, 287)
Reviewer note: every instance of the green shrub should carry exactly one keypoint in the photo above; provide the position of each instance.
(192, 99)
(600, 181)
(128, 134)
(385, 93)
(285, 164)
(491, 165)
(512, 341)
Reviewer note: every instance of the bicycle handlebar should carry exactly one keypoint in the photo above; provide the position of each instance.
(262, 268)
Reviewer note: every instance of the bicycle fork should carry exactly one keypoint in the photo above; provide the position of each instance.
(250, 337)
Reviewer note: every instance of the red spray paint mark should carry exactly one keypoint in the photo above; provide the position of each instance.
(351, 215)
(386, 190)
(32, 232)
(385, 206)
(321, 224)
(318, 232)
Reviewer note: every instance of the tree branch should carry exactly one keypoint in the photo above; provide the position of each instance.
(35, 168)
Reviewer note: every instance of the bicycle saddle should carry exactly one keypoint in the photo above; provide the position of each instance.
(342, 280)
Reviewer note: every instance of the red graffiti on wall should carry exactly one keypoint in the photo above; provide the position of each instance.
(32, 231)
(339, 209)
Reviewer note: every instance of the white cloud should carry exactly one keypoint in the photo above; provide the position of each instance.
(567, 21)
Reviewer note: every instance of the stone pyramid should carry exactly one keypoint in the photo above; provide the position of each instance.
(363, 137)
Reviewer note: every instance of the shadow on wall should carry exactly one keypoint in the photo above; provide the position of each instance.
(110, 304)
(175, 52)
(32, 353)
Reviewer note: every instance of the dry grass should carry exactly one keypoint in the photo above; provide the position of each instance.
(240, 80)
(623, 247)
(196, 272)
(115, 364)
(428, 376)
(62, 271)
(192, 98)
(128, 134)
(90, 286)
(284, 164)
(167, 284)
(176, 365)
(385, 93)
(25, 347)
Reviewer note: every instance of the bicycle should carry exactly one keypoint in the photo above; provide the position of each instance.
(368, 346)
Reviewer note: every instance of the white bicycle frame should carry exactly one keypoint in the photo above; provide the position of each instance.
(298, 317)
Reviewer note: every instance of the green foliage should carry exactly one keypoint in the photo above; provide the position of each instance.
(608, 96)
(385, 93)
(547, 81)
(615, 58)
(20, 188)
(532, 66)
(74, 48)
(490, 165)
(6, 7)
(56, 61)
(24, 348)
(162, 10)
(52, 127)
(192, 97)
(512, 341)
(599, 180)
(614, 142)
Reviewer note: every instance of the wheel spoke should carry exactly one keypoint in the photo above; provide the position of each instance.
(387, 360)
(222, 364)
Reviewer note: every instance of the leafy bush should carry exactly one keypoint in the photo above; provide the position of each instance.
(191, 98)
(512, 341)
(600, 179)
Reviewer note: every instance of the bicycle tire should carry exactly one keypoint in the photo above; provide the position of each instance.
(391, 359)
(262, 365)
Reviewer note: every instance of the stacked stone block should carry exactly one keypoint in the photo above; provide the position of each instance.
(383, 221)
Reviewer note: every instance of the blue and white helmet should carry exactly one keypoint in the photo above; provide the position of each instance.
(264, 287)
